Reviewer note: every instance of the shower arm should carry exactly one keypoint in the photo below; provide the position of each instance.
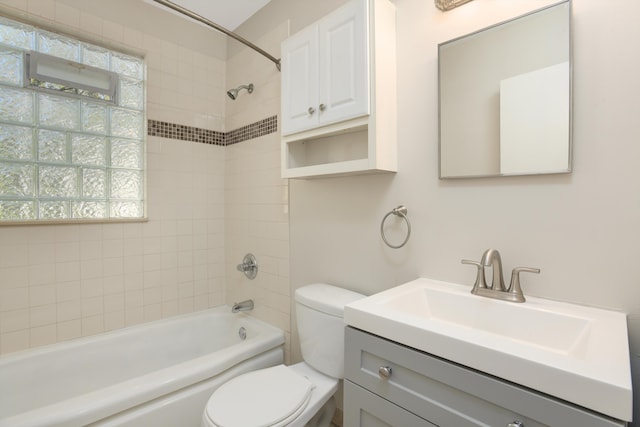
(217, 27)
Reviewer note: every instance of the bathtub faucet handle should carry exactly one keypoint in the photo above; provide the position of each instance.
(249, 266)
(246, 305)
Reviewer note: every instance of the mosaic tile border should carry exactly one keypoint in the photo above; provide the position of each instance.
(205, 136)
(254, 130)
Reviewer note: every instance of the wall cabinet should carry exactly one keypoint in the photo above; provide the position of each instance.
(325, 71)
(395, 385)
(333, 98)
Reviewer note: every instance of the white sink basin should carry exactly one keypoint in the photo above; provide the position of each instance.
(579, 354)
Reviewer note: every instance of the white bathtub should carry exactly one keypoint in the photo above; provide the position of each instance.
(156, 374)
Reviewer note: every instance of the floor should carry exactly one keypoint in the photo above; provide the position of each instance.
(337, 419)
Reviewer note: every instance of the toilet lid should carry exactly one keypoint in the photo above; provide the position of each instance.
(267, 397)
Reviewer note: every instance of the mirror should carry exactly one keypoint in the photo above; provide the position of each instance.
(505, 98)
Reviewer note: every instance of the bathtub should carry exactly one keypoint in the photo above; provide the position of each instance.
(157, 374)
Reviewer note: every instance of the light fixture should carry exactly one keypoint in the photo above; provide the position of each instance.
(233, 93)
(60, 75)
(449, 4)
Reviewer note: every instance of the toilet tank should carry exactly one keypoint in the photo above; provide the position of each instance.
(319, 314)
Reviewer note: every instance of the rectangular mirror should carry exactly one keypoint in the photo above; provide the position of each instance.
(505, 98)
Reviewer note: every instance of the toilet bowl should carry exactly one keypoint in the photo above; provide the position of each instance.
(297, 395)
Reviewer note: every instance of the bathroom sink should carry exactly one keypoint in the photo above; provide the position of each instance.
(528, 324)
(576, 353)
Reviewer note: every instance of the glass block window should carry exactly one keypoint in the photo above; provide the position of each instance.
(64, 155)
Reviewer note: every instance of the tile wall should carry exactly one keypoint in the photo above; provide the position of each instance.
(59, 282)
(213, 185)
(256, 198)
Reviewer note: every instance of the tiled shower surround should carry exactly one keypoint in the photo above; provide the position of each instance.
(211, 195)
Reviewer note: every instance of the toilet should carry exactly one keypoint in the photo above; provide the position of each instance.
(297, 395)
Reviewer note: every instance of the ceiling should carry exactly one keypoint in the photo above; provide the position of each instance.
(227, 13)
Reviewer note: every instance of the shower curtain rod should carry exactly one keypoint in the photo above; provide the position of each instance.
(217, 27)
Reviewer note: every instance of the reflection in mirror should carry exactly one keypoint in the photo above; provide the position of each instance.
(505, 98)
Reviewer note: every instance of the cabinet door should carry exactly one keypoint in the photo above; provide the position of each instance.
(300, 81)
(365, 409)
(344, 63)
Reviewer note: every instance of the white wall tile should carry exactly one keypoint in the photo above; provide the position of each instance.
(92, 306)
(67, 15)
(92, 289)
(90, 23)
(68, 330)
(41, 274)
(43, 335)
(67, 271)
(68, 291)
(43, 315)
(92, 325)
(90, 269)
(69, 310)
(114, 320)
(42, 295)
(134, 316)
(14, 341)
(14, 277)
(113, 285)
(113, 266)
(41, 253)
(42, 8)
(112, 31)
(114, 303)
(14, 255)
(91, 249)
(14, 320)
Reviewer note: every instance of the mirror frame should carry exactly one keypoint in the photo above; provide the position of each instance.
(568, 4)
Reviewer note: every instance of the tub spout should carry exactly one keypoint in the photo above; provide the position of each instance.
(242, 306)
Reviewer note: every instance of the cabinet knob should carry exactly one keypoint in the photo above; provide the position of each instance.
(515, 424)
(322, 107)
(384, 372)
(311, 110)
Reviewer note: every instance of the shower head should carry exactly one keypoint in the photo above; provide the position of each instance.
(233, 93)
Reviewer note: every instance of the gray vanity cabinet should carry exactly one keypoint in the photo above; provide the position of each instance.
(388, 384)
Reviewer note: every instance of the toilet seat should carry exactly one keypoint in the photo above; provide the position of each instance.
(271, 397)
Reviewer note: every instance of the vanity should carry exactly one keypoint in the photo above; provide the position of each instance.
(429, 353)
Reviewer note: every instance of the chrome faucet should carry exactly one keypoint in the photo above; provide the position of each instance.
(246, 305)
(491, 258)
(497, 290)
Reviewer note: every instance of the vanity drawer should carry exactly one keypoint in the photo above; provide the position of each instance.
(367, 409)
(448, 394)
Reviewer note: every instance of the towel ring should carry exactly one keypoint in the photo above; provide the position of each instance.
(400, 211)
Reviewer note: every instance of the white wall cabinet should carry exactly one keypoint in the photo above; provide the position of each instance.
(332, 98)
(396, 385)
(325, 71)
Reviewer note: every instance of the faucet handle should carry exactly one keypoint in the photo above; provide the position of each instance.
(480, 282)
(514, 287)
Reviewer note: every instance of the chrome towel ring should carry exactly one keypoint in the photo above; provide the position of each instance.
(400, 211)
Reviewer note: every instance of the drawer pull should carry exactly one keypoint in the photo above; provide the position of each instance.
(516, 424)
(384, 372)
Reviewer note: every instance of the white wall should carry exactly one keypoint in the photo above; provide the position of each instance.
(66, 281)
(580, 229)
